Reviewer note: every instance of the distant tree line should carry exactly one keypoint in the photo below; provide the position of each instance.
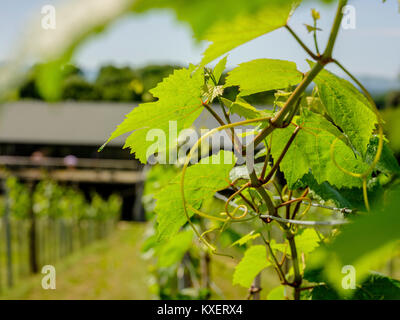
(112, 83)
(123, 84)
(127, 84)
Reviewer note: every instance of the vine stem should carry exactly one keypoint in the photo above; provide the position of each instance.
(276, 122)
(214, 114)
(267, 158)
(279, 121)
(284, 151)
(302, 44)
(315, 37)
(277, 264)
(255, 183)
(295, 261)
(279, 118)
(326, 58)
(255, 288)
(258, 185)
(335, 29)
(289, 202)
(297, 207)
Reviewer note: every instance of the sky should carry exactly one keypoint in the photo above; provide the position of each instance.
(371, 49)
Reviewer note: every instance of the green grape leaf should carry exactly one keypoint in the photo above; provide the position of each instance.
(245, 110)
(197, 12)
(382, 223)
(351, 198)
(387, 162)
(282, 247)
(375, 287)
(307, 241)
(49, 78)
(253, 262)
(157, 177)
(219, 69)
(277, 293)
(314, 104)
(374, 239)
(174, 249)
(243, 240)
(391, 116)
(324, 292)
(378, 287)
(311, 28)
(242, 108)
(325, 192)
(179, 100)
(263, 75)
(202, 180)
(150, 243)
(229, 34)
(348, 108)
(311, 151)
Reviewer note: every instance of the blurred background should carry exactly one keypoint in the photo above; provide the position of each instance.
(64, 203)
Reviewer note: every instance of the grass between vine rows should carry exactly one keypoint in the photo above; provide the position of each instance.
(114, 269)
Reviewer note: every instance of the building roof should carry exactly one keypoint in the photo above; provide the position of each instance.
(71, 123)
(66, 123)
